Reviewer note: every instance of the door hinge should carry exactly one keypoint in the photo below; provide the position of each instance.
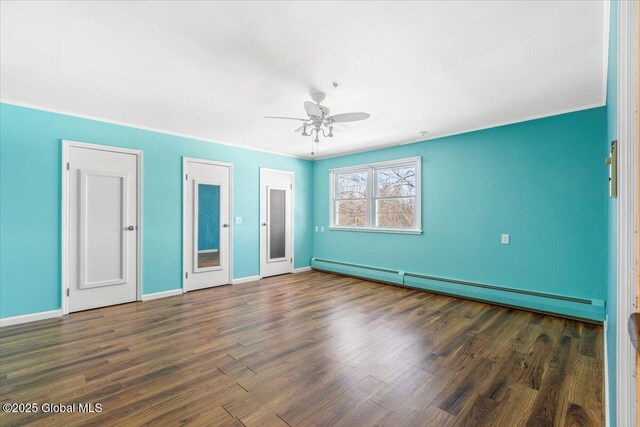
(290, 259)
(68, 166)
(291, 186)
(67, 291)
(186, 177)
(186, 275)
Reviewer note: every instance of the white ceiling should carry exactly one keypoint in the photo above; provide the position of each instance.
(213, 69)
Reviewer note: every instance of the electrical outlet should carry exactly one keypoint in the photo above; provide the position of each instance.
(238, 220)
(505, 239)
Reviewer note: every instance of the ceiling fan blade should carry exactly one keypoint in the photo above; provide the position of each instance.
(349, 117)
(285, 118)
(312, 109)
(341, 125)
(300, 129)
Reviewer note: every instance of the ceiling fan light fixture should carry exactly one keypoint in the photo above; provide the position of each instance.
(320, 119)
(318, 97)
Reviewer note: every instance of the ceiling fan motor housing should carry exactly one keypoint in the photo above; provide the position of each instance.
(318, 97)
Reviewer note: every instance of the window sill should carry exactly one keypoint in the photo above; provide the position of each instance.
(376, 230)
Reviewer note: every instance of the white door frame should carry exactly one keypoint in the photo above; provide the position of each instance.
(185, 225)
(293, 214)
(627, 204)
(64, 226)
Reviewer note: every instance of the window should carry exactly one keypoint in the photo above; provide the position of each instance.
(377, 197)
(351, 198)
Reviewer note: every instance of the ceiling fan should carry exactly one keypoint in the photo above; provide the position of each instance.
(319, 120)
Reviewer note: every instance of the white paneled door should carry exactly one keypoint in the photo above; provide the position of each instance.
(276, 226)
(207, 224)
(102, 227)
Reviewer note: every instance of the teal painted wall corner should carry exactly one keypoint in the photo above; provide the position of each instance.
(542, 181)
(30, 193)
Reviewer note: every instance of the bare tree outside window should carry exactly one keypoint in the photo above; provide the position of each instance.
(395, 197)
(351, 199)
(377, 196)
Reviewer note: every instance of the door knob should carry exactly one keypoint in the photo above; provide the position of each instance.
(225, 225)
(264, 224)
(131, 227)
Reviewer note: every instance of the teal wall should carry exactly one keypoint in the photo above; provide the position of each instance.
(542, 181)
(612, 134)
(30, 157)
(208, 217)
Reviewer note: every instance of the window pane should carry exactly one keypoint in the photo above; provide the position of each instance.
(396, 181)
(277, 223)
(351, 212)
(352, 185)
(396, 212)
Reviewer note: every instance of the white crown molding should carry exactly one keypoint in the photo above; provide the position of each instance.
(309, 158)
(147, 128)
(439, 136)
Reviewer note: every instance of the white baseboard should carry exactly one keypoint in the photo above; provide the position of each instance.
(16, 320)
(164, 294)
(301, 269)
(245, 280)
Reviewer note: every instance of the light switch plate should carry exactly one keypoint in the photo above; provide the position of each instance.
(322, 228)
(316, 228)
(238, 220)
(505, 239)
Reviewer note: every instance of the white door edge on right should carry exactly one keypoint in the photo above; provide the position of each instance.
(276, 222)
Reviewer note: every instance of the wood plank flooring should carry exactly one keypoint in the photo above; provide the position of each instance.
(308, 349)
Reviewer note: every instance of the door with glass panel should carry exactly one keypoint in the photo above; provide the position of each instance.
(276, 222)
(207, 225)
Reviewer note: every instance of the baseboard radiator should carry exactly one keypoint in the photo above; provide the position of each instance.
(563, 305)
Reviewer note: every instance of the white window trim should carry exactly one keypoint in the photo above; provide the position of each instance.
(370, 168)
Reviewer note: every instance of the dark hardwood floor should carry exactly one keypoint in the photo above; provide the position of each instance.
(307, 349)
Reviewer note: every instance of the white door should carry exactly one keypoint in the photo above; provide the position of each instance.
(207, 225)
(102, 227)
(276, 216)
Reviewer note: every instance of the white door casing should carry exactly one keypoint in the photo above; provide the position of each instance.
(276, 222)
(101, 226)
(207, 182)
(627, 204)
